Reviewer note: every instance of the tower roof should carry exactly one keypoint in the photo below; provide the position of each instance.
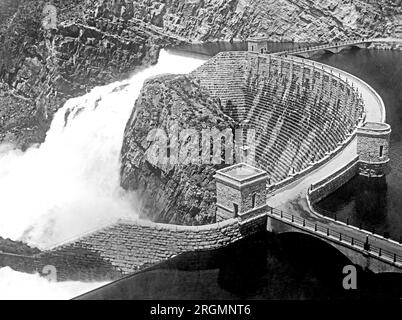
(240, 175)
(376, 128)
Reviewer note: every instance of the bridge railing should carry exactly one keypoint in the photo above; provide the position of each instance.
(349, 222)
(330, 233)
(322, 46)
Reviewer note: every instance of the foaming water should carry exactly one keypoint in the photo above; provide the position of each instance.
(22, 286)
(70, 184)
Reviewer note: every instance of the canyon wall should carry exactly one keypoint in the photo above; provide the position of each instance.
(301, 20)
(300, 115)
(99, 41)
(182, 189)
(42, 68)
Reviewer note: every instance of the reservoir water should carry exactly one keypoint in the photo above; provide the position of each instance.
(376, 204)
(265, 266)
(290, 266)
(70, 185)
(373, 204)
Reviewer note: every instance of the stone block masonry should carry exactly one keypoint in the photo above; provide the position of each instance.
(241, 192)
(72, 264)
(223, 76)
(325, 187)
(245, 84)
(130, 245)
(301, 113)
(373, 149)
(374, 170)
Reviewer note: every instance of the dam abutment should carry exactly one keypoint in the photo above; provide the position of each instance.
(304, 116)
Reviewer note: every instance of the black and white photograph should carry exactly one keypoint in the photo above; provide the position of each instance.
(217, 152)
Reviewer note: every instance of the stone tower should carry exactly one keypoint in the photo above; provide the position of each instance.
(373, 149)
(257, 45)
(240, 192)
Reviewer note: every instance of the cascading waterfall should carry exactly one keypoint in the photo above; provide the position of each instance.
(70, 184)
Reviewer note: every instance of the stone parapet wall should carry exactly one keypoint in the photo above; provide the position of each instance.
(127, 246)
(68, 264)
(22, 263)
(300, 112)
(323, 188)
(371, 169)
(312, 167)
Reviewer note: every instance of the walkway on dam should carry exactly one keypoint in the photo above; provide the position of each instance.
(292, 198)
(308, 51)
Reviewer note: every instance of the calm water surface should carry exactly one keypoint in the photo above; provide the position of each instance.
(290, 266)
(208, 50)
(293, 266)
(374, 203)
(265, 266)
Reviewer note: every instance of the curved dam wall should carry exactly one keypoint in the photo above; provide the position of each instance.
(127, 246)
(300, 112)
(323, 188)
(371, 135)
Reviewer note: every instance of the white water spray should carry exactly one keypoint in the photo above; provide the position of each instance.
(70, 184)
(22, 286)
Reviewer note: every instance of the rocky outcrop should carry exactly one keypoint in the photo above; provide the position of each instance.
(41, 68)
(98, 41)
(298, 20)
(177, 190)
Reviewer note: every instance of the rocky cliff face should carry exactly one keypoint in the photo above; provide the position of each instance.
(186, 194)
(179, 189)
(299, 20)
(41, 68)
(98, 41)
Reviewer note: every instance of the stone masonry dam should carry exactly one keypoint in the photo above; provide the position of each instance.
(315, 127)
(299, 112)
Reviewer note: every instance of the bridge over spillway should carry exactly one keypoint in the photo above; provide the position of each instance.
(368, 251)
(307, 52)
(308, 158)
(259, 45)
(243, 197)
(294, 202)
